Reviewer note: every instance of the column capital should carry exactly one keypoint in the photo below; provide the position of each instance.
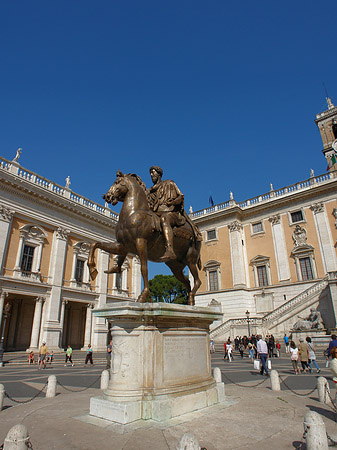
(64, 302)
(90, 305)
(40, 299)
(235, 226)
(6, 214)
(4, 294)
(62, 233)
(275, 220)
(317, 207)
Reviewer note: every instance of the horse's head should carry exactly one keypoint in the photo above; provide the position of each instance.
(118, 190)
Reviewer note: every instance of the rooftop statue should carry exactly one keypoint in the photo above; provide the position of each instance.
(312, 322)
(153, 225)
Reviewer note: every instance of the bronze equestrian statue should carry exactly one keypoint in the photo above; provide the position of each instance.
(153, 225)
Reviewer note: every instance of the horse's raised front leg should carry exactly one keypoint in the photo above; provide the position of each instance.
(141, 245)
(110, 247)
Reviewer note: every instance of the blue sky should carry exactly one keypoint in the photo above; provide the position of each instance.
(221, 94)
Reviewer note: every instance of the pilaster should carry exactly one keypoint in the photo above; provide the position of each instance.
(237, 255)
(6, 216)
(34, 341)
(281, 256)
(324, 237)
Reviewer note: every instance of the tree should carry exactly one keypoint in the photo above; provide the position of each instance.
(166, 288)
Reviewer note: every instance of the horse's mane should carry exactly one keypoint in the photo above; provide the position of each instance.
(139, 180)
(142, 185)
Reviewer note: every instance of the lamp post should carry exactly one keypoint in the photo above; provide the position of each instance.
(248, 321)
(7, 309)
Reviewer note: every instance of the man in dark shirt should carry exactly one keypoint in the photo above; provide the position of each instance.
(333, 343)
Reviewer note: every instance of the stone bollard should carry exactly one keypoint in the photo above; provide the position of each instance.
(17, 438)
(188, 442)
(220, 386)
(105, 379)
(323, 389)
(51, 387)
(217, 375)
(315, 432)
(2, 396)
(275, 380)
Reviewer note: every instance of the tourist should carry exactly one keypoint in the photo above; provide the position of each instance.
(108, 355)
(31, 358)
(229, 351)
(286, 343)
(42, 355)
(333, 367)
(304, 355)
(69, 353)
(50, 357)
(262, 351)
(294, 357)
(333, 343)
(88, 357)
(241, 349)
(278, 349)
(271, 346)
(312, 355)
(211, 346)
(251, 351)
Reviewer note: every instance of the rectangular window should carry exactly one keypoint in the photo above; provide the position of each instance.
(262, 275)
(211, 234)
(306, 269)
(27, 258)
(257, 227)
(213, 280)
(118, 281)
(79, 270)
(296, 216)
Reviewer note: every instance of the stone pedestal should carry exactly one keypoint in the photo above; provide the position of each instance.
(160, 365)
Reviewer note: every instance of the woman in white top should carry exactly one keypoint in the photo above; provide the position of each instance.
(312, 356)
(229, 351)
(294, 357)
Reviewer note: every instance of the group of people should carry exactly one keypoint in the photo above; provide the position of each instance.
(45, 357)
(249, 344)
(305, 354)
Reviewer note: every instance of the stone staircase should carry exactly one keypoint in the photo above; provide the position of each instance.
(271, 320)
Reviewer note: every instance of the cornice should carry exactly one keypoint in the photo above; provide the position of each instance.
(63, 206)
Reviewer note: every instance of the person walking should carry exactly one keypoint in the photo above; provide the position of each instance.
(251, 351)
(262, 351)
(304, 355)
(88, 357)
(294, 357)
(333, 367)
(108, 355)
(229, 351)
(69, 353)
(312, 355)
(286, 343)
(333, 343)
(42, 356)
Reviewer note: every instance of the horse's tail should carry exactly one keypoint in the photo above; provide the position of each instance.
(199, 263)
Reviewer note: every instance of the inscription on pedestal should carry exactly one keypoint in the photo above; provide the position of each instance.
(184, 357)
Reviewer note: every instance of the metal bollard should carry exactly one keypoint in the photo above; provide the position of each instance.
(188, 442)
(2, 396)
(323, 389)
(315, 432)
(51, 387)
(105, 379)
(275, 380)
(217, 375)
(17, 438)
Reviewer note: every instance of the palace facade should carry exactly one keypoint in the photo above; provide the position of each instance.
(271, 258)
(45, 233)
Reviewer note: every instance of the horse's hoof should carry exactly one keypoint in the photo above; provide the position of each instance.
(191, 301)
(93, 274)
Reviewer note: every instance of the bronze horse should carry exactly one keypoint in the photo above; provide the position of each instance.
(138, 232)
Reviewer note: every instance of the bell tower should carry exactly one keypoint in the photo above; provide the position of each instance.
(327, 125)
